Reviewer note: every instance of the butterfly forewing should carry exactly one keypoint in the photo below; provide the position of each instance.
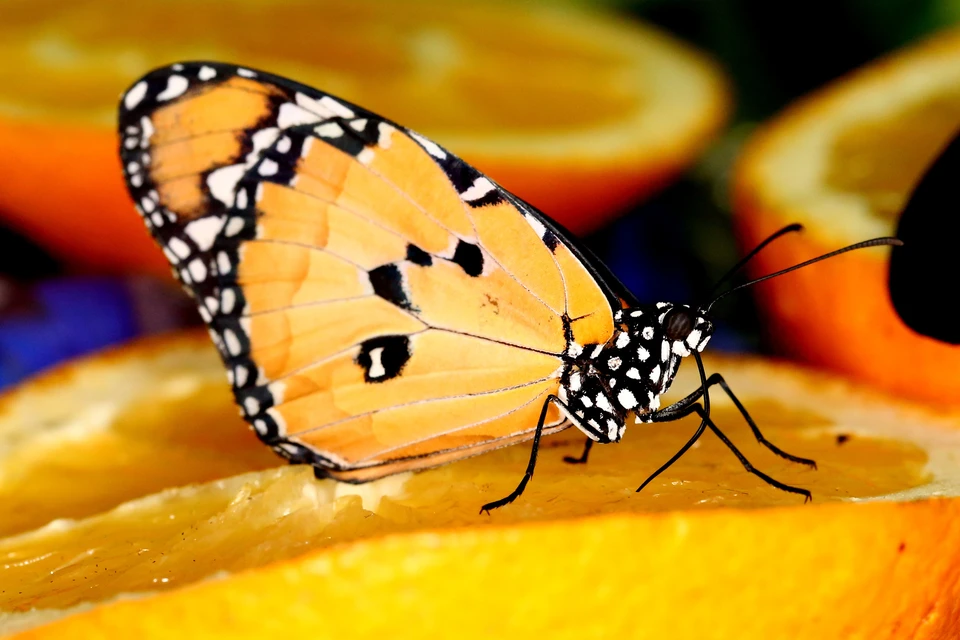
(379, 304)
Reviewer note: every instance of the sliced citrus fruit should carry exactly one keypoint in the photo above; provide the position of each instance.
(706, 550)
(579, 112)
(843, 162)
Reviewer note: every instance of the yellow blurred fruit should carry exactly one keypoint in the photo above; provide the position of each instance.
(582, 113)
(843, 162)
(705, 551)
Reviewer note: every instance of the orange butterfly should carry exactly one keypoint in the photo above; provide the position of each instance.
(380, 305)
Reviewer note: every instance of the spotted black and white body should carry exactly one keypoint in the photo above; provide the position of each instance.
(604, 384)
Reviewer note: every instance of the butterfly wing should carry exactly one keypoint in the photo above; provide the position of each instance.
(379, 304)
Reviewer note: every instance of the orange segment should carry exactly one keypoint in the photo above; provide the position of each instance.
(579, 112)
(701, 545)
(843, 162)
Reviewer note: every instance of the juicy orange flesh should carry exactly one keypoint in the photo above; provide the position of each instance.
(883, 159)
(498, 70)
(184, 535)
(151, 445)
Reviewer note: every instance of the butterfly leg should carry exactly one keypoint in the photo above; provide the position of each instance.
(678, 454)
(496, 504)
(718, 379)
(583, 456)
(680, 408)
(707, 422)
(746, 463)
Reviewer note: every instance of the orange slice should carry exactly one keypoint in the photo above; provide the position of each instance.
(843, 162)
(581, 113)
(706, 551)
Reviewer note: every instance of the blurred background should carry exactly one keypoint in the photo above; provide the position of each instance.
(74, 276)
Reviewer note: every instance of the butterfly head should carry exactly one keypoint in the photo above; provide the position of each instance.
(686, 329)
(679, 329)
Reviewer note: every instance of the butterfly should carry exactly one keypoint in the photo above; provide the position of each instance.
(380, 305)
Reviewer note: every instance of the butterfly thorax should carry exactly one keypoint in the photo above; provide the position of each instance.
(603, 383)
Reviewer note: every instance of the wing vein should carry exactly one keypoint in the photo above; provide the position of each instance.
(423, 402)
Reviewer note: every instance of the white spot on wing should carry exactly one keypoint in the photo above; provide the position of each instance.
(291, 115)
(623, 340)
(376, 369)
(228, 298)
(234, 226)
(176, 85)
(136, 95)
(335, 108)
(222, 183)
(385, 137)
(232, 342)
(198, 270)
(223, 263)
(207, 73)
(268, 167)
(430, 146)
(365, 156)
(204, 231)
(633, 373)
(535, 224)
(648, 333)
(480, 187)
(246, 73)
(146, 132)
(655, 374)
(329, 130)
(643, 354)
(180, 248)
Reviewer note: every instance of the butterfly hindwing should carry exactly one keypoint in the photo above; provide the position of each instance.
(379, 304)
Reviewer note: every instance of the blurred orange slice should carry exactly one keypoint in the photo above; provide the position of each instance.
(119, 453)
(581, 113)
(843, 162)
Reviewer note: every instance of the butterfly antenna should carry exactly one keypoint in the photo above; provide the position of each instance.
(790, 228)
(876, 242)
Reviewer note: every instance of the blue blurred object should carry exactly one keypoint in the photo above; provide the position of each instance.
(58, 319)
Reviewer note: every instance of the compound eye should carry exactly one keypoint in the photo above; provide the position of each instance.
(678, 324)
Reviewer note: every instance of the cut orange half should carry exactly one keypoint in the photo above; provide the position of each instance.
(843, 162)
(128, 528)
(581, 113)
